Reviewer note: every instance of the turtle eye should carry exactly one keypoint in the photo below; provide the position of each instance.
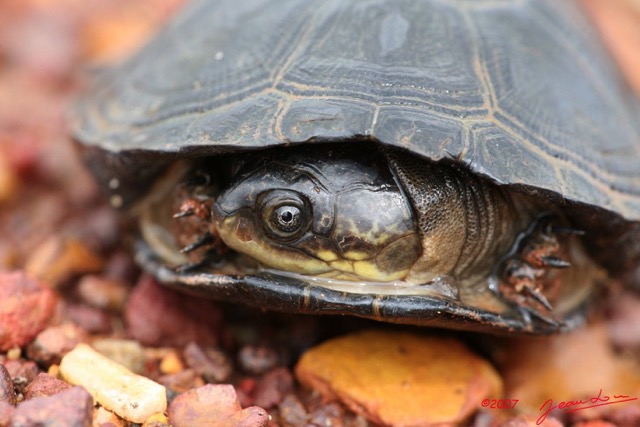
(285, 214)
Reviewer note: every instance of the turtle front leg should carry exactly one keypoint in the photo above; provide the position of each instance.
(528, 276)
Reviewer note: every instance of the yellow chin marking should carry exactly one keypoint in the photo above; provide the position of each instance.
(357, 255)
(366, 270)
(241, 235)
(327, 256)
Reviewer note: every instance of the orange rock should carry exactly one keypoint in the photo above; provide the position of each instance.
(400, 379)
(8, 181)
(58, 258)
(114, 35)
(619, 24)
(583, 366)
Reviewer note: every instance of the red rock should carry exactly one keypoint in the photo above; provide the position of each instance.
(45, 385)
(273, 387)
(27, 306)
(70, 408)
(54, 342)
(214, 406)
(7, 392)
(158, 316)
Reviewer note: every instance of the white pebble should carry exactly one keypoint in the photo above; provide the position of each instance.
(131, 396)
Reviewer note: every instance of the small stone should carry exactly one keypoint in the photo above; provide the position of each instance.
(157, 420)
(131, 396)
(59, 258)
(73, 408)
(330, 414)
(210, 363)
(292, 412)
(44, 385)
(54, 342)
(158, 316)
(171, 363)
(7, 392)
(531, 421)
(22, 372)
(15, 353)
(27, 306)
(257, 359)
(182, 381)
(128, 353)
(214, 406)
(103, 418)
(391, 377)
(54, 371)
(273, 387)
(103, 293)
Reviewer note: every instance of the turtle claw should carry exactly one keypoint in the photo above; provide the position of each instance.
(552, 261)
(536, 294)
(526, 277)
(193, 206)
(188, 267)
(203, 240)
(556, 229)
(184, 213)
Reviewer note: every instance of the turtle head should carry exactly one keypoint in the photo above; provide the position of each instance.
(320, 212)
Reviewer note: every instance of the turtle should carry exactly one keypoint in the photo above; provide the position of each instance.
(465, 164)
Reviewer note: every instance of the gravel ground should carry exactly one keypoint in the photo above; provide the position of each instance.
(87, 339)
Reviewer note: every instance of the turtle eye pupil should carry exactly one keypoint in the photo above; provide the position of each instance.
(285, 215)
(287, 219)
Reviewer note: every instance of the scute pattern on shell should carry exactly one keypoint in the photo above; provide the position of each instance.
(520, 91)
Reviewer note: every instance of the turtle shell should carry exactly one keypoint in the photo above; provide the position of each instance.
(521, 91)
